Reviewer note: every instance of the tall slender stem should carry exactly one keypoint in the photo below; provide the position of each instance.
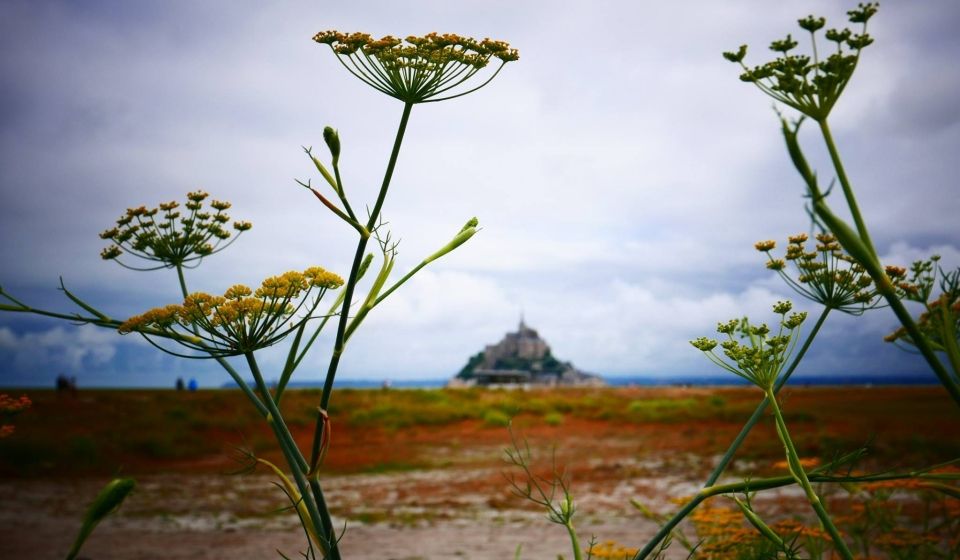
(358, 258)
(801, 476)
(879, 277)
(762, 407)
(847, 188)
(339, 343)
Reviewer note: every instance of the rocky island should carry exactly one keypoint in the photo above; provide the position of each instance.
(521, 358)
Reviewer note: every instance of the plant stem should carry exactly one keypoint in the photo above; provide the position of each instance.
(847, 188)
(948, 332)
(574, 541)
(183, 281)
(801, 477)
(294, 458)
(357, 259)
(261, 408)
(879, 276)
(921, 342)
(737, 442)
(762, 407)
(756, 485)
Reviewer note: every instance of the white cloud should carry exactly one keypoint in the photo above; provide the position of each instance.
(620, 169)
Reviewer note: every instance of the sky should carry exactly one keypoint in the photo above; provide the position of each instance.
(620, 170)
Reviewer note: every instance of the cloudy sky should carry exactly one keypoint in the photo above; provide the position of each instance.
(620, 170)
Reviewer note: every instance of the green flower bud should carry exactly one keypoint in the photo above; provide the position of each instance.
(364, 265)
(466, 233)
(704, 344)
(471, 223)
(784, 45)
(782, 307)
(811, 23)
(736, 56)
(332, 139)
(863, 12)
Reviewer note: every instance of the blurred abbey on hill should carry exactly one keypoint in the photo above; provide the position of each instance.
(522, 357)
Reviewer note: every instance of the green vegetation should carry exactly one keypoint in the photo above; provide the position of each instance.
(102, 428)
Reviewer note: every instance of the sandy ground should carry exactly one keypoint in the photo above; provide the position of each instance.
(431, 514)
(433, 492)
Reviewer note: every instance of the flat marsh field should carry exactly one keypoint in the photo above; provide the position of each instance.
(418, 474)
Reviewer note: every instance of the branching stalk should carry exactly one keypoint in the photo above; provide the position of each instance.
(798, 472)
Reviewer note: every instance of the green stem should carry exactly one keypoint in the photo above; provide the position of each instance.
(847, 188)
(762, 407)
(871, 262)
(574, 541)
(334, 552)
(800, 475)
(948, 331)
(327, 525)
(220, 360)
(737, 442)
(183, 281)
(296, 462)
(357, 259)
(921, 342)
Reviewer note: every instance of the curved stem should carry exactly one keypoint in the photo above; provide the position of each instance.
(762, 407)
(800, 475)
(847, 188)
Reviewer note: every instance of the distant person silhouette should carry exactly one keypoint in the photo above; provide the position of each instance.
(192, 385)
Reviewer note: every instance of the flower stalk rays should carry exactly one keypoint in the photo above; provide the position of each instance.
(170, 236)
(805, 82)
(826, 274)
(419, 69)
(762, 355)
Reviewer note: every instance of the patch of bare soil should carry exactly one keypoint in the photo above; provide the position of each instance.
(453, 512)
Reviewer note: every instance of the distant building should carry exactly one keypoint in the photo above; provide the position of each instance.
(521, 358)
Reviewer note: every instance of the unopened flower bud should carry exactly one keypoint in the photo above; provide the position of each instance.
(332, 139)
(736, 56)
(471, 223)
(466, 233)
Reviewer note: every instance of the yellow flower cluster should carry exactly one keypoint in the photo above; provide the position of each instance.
(433, 49)
(241, 319)
(419, 68)
(158, 318)
(826, 274)
(166, 236)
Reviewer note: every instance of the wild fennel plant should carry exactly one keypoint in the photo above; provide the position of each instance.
(843, 273)
(243, 320)
(812, 85)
